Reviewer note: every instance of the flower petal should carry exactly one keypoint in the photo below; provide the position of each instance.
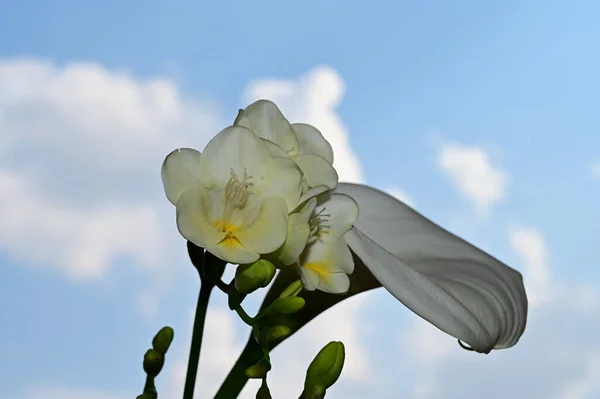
(265, 120)
(442, 278)
(267, 232)
(279, 177)
(180, 171)
(275, 150)
(312, 192)
(341, 211)
(233, 252)
(193, 207)
(234, 148)
(312, 141)
(324, 259)
(317, 171)
(297, 235)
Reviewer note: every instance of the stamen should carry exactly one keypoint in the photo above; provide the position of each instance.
(318, 224)
(236, 195)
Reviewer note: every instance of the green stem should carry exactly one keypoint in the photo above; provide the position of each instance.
(244, 316)
(236, 379)
(192, 370)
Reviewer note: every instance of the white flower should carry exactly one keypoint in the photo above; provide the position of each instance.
(326, 261)
(234, 199)
(456, 287)
(301, 142)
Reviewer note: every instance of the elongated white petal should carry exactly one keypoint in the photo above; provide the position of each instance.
(265, 119)
(279, 177)
(317, 171)
(234, 148)
(339, 210)
(297, 235)
(267, 232)
(442, 278)
(312, 141)
(180, 171)
(193, 207)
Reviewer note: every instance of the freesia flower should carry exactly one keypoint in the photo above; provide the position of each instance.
(301, 142)
(233, 199)
(327, 261)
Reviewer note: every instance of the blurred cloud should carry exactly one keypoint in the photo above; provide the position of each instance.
(473, 175)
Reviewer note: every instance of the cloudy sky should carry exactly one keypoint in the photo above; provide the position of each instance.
(483, 116)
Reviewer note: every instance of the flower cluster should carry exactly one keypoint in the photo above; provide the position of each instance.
(263, 188)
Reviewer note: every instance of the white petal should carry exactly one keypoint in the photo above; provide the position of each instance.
(268, 230)
(325, 263)
(275, 150)
(297, 235)
(266, 120)
(279, 177)
(313, 192)
(193, 208)
(442, 278)
(341, 209)
(312, 141)
(180, 171)
(234, 148)
(317, 171)
(233, 252)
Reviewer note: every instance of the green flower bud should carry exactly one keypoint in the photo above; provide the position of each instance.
(153, 362)
(263, 391)
(147, 395)
(287, 305)
(292, 290)
(251, 277)
(325, 369)
(314, 392)
(271, 334)
(162, 340)
(258, 370)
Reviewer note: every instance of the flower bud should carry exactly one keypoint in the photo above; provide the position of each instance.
(162, 340)
(263, 391)
(314, 392)
(153, 362)
(253, 276)
(271, 334)
(287, 305)
(292, 290)
(258, 370)
(147, 395)
(325, 369)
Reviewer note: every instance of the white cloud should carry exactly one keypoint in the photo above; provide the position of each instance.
(471, 170)
(530, 246)
(584, 386)
(55, 392)
(313, 98)
(80, 156)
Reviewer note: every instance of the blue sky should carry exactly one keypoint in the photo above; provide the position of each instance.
(482, 114)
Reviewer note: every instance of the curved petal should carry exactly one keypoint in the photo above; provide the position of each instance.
(317, 171)
(180, 171)
(324, 259)
(297, 235)
(233, 252)
(312, 192)
(234, 148)
(265, 119)
(279, 177)
(339, 210)
(267, 232)
(450, 283)
(311, 141)
(193, 207)
(275, 150)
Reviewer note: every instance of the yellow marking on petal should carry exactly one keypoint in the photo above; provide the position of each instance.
(230, 240)
(320, 269)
